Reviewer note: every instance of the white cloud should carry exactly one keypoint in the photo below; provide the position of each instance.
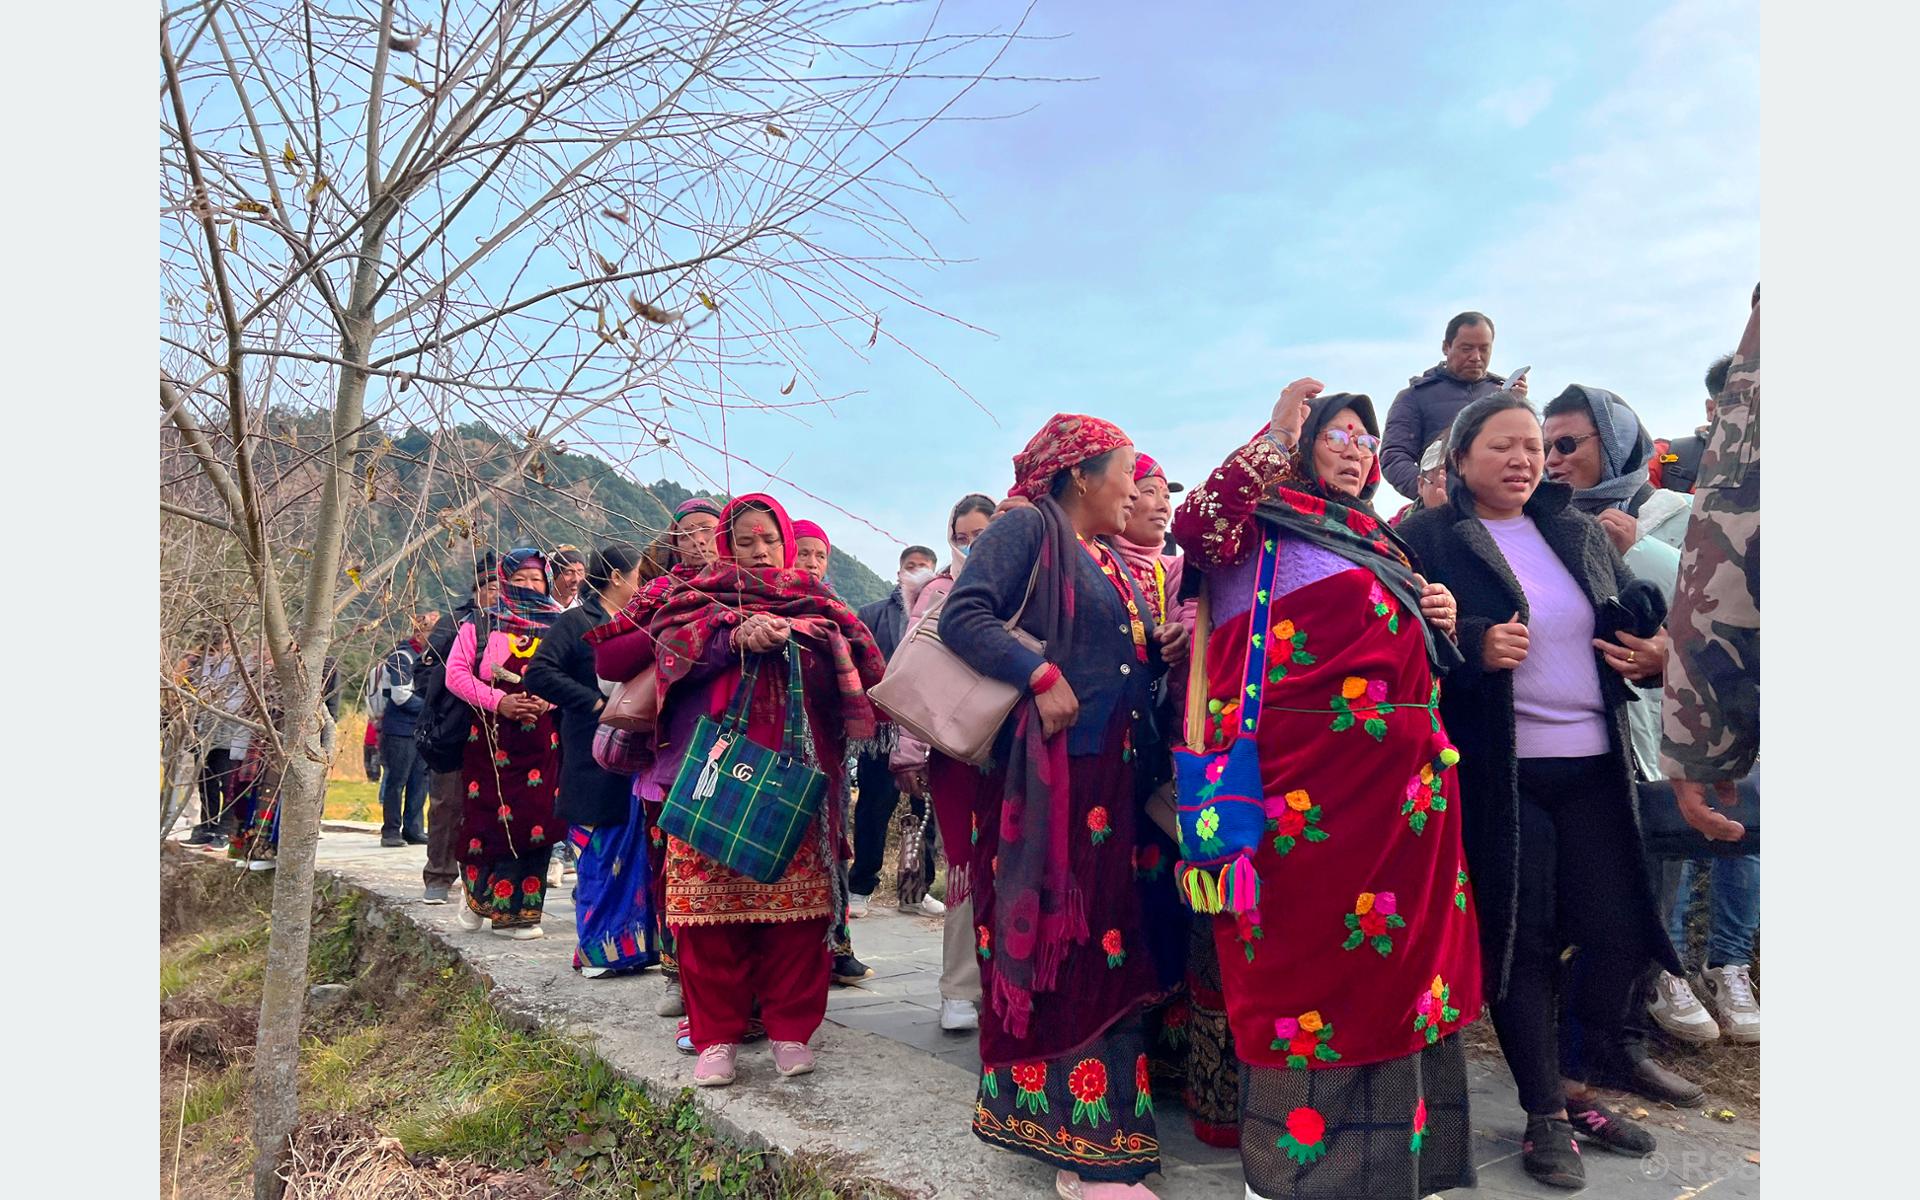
(1520, 104)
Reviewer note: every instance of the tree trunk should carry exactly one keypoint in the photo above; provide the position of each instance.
(306, 733)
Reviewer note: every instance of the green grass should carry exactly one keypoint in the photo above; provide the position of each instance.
(352, 800)
(422, 1054)
(213, 1096)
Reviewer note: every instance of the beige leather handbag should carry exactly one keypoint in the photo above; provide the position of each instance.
(933, 694)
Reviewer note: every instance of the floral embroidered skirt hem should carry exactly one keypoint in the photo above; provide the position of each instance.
(1089, 1113)
(1393, 1130)
(508, 891)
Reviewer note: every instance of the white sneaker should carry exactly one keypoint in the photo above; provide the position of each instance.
(958, 1016)
(856, 906)
(1730, 992)
(927, 907)
(556, 872)
(1678, 1011)
(470, 920)
(593, 972)
(521, 933)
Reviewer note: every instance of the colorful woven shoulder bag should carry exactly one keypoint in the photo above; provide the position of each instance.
(739, 803)
(1222, 810)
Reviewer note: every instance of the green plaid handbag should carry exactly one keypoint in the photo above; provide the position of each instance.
(739, 803)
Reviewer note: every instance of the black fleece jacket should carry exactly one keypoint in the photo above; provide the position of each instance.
(1455, 549)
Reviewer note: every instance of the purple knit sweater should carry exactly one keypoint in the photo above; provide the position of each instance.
(1557, 709)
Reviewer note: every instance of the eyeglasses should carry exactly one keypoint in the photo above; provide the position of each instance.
(1340, 440)
(1568, 444)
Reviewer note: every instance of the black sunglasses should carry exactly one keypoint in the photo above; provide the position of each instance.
(1568, 444)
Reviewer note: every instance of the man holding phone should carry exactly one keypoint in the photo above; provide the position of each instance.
(1431, 400)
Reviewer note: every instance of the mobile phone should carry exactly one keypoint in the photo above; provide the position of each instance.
(1519, 375)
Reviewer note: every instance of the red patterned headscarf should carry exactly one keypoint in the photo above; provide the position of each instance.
(1065, 441)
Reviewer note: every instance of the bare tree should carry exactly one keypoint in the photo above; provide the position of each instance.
(565, 218)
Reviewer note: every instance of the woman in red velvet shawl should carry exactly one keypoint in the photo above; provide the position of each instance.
(1348, 980)
(741, 942)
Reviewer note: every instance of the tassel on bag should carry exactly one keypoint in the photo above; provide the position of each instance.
(709, 780)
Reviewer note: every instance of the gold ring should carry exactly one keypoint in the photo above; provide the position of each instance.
(1631, 655)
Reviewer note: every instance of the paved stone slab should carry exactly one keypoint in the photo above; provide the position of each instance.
(893, 1091)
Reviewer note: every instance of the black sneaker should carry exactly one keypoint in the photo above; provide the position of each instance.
(1649, 1079)
(1598, 1123)
(849, 970)
(1550, 1154)
(415, 839)
(391, 841)
(199, 837)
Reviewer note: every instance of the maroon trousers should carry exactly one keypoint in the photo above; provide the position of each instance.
(725, 969)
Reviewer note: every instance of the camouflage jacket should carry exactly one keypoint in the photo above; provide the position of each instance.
(1710, 715)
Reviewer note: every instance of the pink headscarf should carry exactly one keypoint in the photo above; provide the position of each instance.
(808, 529)
(1066, 440)
(724, 535)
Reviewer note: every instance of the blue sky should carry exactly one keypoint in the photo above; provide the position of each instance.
(1241, 194)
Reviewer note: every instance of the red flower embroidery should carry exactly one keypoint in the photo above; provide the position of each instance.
(1087, 1083)
(1304, 1140)
(473, 846)
(533, 778)
(1142, 1088)
(1303, 1044)
(499, 758)
(1373, 924)
(1116, 950)
(530, 885)
(1097, 824)
(1419, 1124)
(504, 813)
(473, 789)
(473, 874)
(1030, 1084)
(502, 888)
(1292, 824)
(537, 834)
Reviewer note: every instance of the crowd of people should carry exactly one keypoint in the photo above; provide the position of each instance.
(1288, 793)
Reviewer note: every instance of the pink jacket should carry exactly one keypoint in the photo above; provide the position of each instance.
(464, 681)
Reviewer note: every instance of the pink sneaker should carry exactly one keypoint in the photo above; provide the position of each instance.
(792, 1058)
(715, 1068)
(1069, 1186)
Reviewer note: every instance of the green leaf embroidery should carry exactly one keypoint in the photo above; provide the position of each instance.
(1343, 722)
(1383, 944)
(1418, 822)
(1384, 710)
(1285, 845)
(1276, 675)
(1303, 658)
(1396, 921)
(1325, 1053)
(1353, 940)
(1393, 623)
(1377, 728)
(1316, 835)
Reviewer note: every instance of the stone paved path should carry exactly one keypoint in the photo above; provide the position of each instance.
(893, 1091)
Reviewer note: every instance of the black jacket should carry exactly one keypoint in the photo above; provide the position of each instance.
(887, 621)
(1454, 548)
(562, 674)
(1099, 665)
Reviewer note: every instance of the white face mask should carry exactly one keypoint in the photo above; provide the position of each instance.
(915, 579)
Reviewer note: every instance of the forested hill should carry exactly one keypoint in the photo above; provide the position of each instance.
(566, 498)
(570, 498)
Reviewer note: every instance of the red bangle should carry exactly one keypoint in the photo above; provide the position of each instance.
(1048, 677)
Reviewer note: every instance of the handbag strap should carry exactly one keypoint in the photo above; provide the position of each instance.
(794, 731)
(1258, 635)
(736, 713)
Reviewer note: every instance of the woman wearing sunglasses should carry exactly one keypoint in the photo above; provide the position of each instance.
(1546, 770)
(1355, 966)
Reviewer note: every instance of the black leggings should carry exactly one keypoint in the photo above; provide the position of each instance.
(1581, 883)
